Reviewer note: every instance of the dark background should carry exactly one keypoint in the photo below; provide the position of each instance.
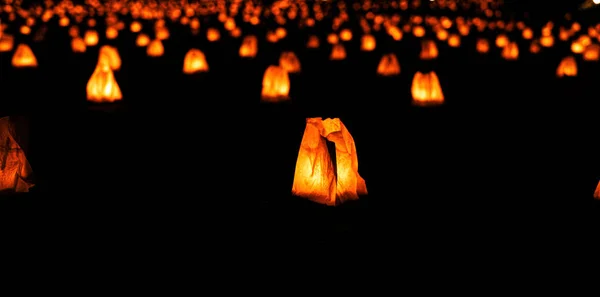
(181, 155)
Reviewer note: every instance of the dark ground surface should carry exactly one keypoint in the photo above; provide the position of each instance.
(198, 154)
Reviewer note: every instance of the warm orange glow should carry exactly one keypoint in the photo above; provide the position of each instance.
(110, 55)
(464, 29)
(346, 35)
(289, 61)
(7, 43)
(64, 21)
(78, 45)
(567, 67)
(338, 52)
(442, 35)
(15, 171)
(25, 30)
(592, 53)
(91, 37)
(272, 37)
(313, 42)
(564, 34)
(194, 62)
(332, 38)
(74, 31)
(502, 40)
(388, 65)
(236, 32)
(142, 40)
(367, 43)
(315, 177)
(162, 33)
(395, 32)
(577, 47)
(547, 41)
(135, 27)
(155, 48)
(429, 50)
(276, 85)
(511, 51)
(426, 89)
(213, 34)
(597, 192)
(418, 31)
(249, 47)
(534, 48)
(24, 57)
(102, 86)
(280, 33)
(454, 40)
(112, 33)
(483, 46)
(527, 33)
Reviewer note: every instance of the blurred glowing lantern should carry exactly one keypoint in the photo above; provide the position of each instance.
(24, 57)
(162, 33)
(426, 89)
(442, 35)
(394, 32)
(155, 48)
(112, 32)
(91, 22)
(15, 171)
(418, 31)
(74, 31)
(591, 53)
(110, 55)
(313, 42)
(464, 29)
(90, 37)
(280, 33)
(527, 33)
(194, 24)
(482, 46)
(510, 51)
(316, 177)
(102, 86)
(332, 38)
(338, 52)
(229, 24)
(135, 27)
(249, 47)
(534, 48)
(213, 34)
(272, 37)
(454, 40)
(388, 65)
(501, 40)
(429, 50)
(78, 45)
(367, 43)
(597, 192)
(236, 32)
(25, 30)
(577, 47)
(567, 67)
(64, 21)
(142, 40)
(547, 41)
(345, 35)
(194, 62)
(275, 85)
(289, 61)
(6, 43)
(585, 40)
